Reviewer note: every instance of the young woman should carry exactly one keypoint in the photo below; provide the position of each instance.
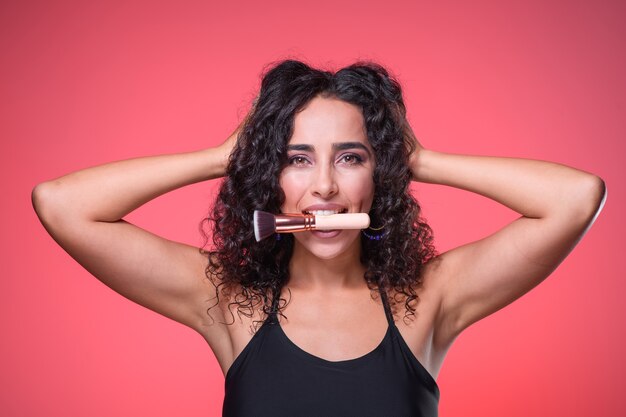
(318, 329)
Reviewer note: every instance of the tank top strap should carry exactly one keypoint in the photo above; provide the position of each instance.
(383, 296)
(272, 316)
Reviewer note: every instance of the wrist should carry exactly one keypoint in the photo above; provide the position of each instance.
(418, 162)
(215, 161)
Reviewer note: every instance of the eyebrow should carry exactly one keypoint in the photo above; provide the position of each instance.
(341, 146)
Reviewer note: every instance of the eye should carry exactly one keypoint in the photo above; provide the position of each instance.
(297, 160)
(352, 159)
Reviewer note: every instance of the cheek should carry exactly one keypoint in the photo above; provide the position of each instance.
(291, 188)
(361, 190)
(369, 192)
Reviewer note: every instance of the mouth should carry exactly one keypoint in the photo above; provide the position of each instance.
(325, 212)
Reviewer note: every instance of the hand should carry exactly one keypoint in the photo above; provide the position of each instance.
(418, 148)
(226, 148)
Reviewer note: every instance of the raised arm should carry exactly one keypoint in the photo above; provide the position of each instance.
(557, 204)
(83, 212)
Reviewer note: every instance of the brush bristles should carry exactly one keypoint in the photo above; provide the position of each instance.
(264, 224)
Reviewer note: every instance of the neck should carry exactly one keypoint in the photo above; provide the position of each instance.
(309, 273)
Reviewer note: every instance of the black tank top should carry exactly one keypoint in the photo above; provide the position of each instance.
(272, 376)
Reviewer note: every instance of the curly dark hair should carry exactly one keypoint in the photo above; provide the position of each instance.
(260, 269)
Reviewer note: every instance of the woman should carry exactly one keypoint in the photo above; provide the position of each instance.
(321, 141)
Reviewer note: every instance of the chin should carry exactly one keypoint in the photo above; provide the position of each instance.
(327, 254)
(331, 248)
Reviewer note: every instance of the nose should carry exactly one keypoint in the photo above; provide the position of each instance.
(324, 184)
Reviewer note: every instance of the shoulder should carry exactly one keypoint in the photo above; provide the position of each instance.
(435, 277)
(230, 307)
(428, 287)
(219, 293)
(423, 331)
(427, 297)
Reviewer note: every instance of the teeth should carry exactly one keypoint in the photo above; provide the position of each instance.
(323, 212)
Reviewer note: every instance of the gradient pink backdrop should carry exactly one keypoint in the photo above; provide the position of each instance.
(84, 83)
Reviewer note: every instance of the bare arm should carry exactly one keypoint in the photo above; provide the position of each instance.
(558, 204)
(83, 212)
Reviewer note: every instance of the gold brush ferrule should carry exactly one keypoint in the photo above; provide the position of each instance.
(287, 223)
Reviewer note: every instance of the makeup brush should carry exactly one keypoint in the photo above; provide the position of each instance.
(266, 223)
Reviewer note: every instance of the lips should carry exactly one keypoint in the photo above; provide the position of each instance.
(325, 233)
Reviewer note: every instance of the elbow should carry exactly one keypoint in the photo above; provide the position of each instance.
(597, 194)
(601, 193)
(37, 196)
(42, 199)
(592, 199)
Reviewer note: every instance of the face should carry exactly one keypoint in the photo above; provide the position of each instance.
(330, 161)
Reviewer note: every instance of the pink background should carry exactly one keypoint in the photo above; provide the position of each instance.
(84, 83)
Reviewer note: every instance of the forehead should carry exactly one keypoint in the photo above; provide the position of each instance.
(327, 120)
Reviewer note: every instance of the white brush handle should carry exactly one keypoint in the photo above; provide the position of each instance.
(342, 221)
